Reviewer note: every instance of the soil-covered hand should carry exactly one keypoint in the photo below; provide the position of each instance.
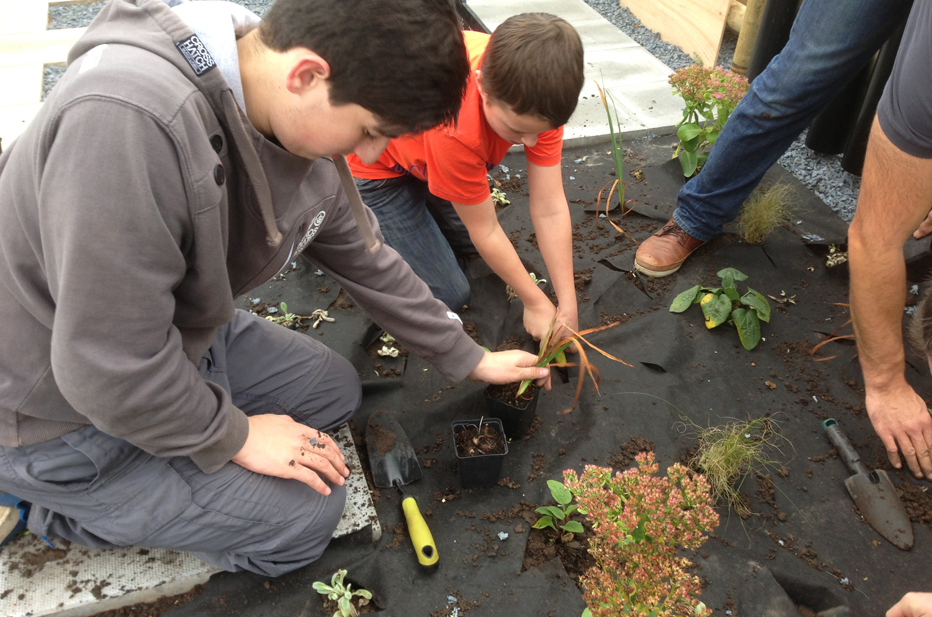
(912, 604)
(279, 446)
(503, 367)
(902, 421)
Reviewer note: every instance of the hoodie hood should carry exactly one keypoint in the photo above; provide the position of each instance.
(173, 30)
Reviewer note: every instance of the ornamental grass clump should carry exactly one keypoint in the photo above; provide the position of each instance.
(765, 210)
(729, 454)
(710, 94)
(640, 523)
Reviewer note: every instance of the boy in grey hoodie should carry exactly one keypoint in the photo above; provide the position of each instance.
(180, 162)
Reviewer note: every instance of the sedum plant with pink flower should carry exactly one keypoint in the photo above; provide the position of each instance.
(711, 94)
(640, 523)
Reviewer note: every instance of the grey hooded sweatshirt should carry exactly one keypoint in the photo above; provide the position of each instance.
(134, 208)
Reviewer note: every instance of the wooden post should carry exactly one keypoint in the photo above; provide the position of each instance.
(748, 36)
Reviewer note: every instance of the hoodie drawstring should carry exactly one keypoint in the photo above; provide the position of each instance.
(250, 159)
(355, 200)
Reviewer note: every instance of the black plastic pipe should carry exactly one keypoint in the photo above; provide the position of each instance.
(774, 32)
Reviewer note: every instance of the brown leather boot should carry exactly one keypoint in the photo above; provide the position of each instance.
(664, 252)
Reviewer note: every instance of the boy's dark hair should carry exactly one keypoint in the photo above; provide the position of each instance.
(919, 332)
(403, 60)
(534, 64)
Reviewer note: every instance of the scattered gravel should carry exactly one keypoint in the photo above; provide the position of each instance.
(821, 173)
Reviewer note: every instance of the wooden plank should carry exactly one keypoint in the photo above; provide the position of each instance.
(47, 47)
(695, 26)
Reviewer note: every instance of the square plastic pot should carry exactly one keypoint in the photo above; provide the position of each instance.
(515, 420)
(484, 470)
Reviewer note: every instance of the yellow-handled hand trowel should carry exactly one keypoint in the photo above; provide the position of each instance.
(394, 464)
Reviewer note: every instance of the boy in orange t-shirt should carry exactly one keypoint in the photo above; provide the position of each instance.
(430, 191)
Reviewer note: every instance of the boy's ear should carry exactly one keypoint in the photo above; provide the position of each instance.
(482, 92)
(306, 69)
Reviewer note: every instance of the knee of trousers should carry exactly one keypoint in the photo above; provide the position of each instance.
(455, 293)
(306, 538)
(350, 396)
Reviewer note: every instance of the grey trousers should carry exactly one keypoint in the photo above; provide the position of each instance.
(102, 492)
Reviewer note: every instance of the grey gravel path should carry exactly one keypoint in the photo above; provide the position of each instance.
(821, 173)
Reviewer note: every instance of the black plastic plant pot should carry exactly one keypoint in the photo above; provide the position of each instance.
(516, 418)
(480, 470)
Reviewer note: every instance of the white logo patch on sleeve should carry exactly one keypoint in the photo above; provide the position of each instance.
(452, 315)
(92, 58)
(196, 54)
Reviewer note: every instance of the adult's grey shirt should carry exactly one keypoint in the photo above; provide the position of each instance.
(905, 110)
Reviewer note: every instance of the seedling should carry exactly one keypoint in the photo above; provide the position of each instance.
(285, 318)
(510, 292)
(721, 304)
(499, 198)
(559, 512)
(343, 594)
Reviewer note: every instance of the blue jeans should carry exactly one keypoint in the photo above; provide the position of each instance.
(425, 230)
(830, 42)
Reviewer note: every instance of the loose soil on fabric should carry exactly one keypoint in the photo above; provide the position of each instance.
(479, 441)
(154, 609)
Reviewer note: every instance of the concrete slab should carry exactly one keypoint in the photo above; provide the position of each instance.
(73, 581)
(638, 81)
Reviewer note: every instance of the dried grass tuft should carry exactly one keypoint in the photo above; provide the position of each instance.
(764, 211)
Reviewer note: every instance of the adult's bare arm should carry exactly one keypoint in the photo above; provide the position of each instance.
(278, 446)
(896, 192)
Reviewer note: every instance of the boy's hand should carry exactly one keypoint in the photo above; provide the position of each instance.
(280, 447)
(912, 605)
(509, 366)
(537, 322)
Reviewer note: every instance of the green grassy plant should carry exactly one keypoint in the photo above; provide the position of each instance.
(764, 211)
(727, 455)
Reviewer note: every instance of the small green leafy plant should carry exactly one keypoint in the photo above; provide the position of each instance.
(641, 522)
(343, 594)
(710, 94)
(721, 304)
(285, 318)
(499, 198)
(559, 512)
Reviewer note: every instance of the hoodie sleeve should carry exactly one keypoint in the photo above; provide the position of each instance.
(389, 291)
(113, 203)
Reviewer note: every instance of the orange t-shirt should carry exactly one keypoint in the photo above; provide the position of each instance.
(454, 161)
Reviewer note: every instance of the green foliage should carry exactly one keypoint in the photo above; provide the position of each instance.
(499, 198)
(343, 594)
(283, 317)
(710, 95)
(559, 512)
(725, 303)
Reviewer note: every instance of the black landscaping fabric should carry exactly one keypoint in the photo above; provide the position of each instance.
(809, 547)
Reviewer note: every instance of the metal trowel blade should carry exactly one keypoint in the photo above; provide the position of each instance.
(875, 497)
(391, 456)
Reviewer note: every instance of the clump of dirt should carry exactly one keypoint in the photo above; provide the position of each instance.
(512, 342)
(629, 450)
(331, 607)
(918, 503)
(472, 330)
(766, 491)
(399, 535)
(508, 393)
(475, 440)
(537, 467)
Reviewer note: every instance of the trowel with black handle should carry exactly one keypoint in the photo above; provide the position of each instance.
(395, 464)
(873, 492)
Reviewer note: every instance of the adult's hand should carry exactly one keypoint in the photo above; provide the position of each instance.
(902, 421)
(912, 604)
(279, 446)
(925, 228)
(503, 367)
